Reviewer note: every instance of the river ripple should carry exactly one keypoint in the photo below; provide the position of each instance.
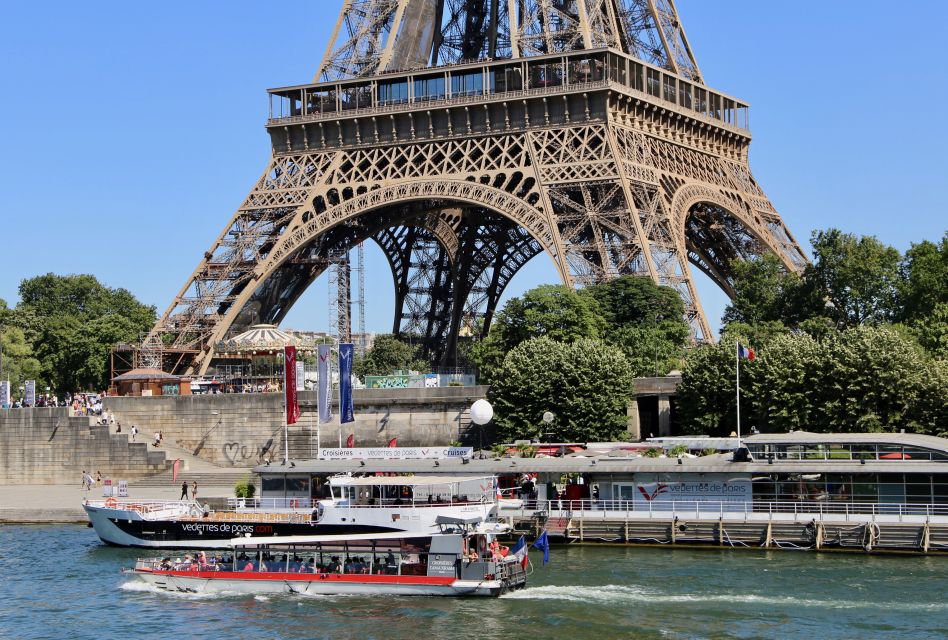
(60, 582)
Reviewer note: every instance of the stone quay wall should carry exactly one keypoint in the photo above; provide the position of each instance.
(47, 446)
(242, 430)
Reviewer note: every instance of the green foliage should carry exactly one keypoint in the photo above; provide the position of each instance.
(630, 312)
(72, 322)
(554, 311)
(18, 363)
(586, 384)
(245, 488)
(925, 280)
(388, 354)
(678, 450)
(653, 452)
(708, 452)
(527, 451)
(866, 378)
(498, 450)
(764, 292)
(860, 276)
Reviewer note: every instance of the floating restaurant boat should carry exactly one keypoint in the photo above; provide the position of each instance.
(459, 560)
(355, 506)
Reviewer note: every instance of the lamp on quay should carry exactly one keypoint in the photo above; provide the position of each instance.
(481, 412)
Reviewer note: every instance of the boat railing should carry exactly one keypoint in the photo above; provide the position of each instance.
(147, 507)
(703, 509)
(270, 504)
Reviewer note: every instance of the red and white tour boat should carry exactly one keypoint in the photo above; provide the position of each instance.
(463, 559)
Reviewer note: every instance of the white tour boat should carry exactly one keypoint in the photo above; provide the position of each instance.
(356, 506)
(462, 559)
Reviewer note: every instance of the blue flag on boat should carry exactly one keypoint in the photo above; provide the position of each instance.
(543, 544)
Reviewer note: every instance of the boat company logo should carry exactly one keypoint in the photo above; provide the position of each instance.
(651, 494)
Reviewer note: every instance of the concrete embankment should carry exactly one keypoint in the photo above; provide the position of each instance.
(47, 446)
(242, 430)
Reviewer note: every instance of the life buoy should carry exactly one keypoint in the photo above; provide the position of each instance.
(111, 503)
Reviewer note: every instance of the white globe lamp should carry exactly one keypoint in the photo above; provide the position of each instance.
(481, 412)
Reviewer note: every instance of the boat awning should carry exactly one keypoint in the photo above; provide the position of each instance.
(403, 481)
(265, 541)
(458, 521)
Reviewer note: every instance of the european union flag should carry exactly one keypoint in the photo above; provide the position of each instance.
(543, 544)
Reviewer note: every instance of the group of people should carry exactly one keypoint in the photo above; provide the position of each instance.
(185, 488)
(89, 482)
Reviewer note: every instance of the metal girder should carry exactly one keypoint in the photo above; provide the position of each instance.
(373, 36)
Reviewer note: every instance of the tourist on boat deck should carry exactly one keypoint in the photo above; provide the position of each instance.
(248, 566)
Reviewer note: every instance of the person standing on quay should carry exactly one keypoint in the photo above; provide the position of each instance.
(184, 490)
(194, 489)
(134, 432)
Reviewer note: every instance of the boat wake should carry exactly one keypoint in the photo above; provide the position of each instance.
(612, 593)
(142, 587)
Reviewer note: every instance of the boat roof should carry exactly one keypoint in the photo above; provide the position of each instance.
(808, 437)
(401, 481)
(264, 541)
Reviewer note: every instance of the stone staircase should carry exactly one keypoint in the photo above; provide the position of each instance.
(48, 446)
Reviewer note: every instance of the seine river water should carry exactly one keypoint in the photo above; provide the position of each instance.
(60, 582)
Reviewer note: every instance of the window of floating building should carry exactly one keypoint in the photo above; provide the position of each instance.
(918, 488)
(765, 489)
(430, 88)
(297, 484)
(463, 84)
(839, 486)
(393, 92)
(865, 487)
(272, 485)
(940, 491)
(670, 89)
(653, 82)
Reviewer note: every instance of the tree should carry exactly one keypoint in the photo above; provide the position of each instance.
(873, 375)
(925, 280)
(388, 354)
(860, 277)
(17, 363)
(554, 311)
(586, 384)
(636, 301)
(73, 321)
(764, 291)
(861, 379)
(707, 395)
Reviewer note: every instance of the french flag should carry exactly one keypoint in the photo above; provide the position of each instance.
(519, 551)
(745, 352)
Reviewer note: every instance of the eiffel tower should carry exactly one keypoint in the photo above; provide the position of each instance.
(465, 137)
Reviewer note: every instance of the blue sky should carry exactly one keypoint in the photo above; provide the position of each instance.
(131, 131)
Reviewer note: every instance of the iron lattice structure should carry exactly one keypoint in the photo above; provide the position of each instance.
(465, 137)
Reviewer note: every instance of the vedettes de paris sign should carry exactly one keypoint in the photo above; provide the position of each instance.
(396, 453)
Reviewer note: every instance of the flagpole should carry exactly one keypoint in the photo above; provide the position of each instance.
(286, 406)
(737, 368)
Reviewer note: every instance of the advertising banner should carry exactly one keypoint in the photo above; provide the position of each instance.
(289, 385)
(325, 384)
(300, 376)
(4, 393)
(662, 489)
(29, 395)
(346, 354)
(399, 453)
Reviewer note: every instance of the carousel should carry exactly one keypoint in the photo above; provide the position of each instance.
(252, 361)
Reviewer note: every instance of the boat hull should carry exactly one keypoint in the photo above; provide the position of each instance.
(320, 584)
